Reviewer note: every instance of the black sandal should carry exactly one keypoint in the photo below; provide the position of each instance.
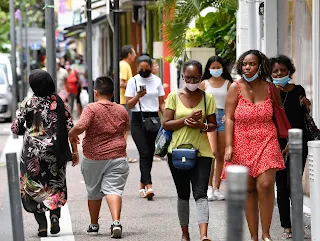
(42, 233)
(55, 228)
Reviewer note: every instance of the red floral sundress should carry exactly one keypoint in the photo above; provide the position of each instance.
(255, 142)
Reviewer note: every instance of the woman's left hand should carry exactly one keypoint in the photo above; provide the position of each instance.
(223, 118)
(75, 159)
(305, 101)
(194, 124)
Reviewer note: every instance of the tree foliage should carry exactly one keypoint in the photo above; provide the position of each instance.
(33, 9)
(214, 30)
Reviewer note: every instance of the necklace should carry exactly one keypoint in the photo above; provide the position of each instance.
(250, 89)
(285, 99)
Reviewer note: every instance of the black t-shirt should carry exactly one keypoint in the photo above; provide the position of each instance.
(294, 111)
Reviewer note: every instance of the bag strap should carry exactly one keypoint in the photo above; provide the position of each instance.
(275, 97)
(142, 117)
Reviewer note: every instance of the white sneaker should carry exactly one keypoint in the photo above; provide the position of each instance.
(218, 196)
(210, 194)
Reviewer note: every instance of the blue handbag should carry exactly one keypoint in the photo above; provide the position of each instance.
(184, 156)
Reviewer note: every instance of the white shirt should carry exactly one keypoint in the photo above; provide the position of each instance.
(62, 75)
(154, 88)
(219, 94)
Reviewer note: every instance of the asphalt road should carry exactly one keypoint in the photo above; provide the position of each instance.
(142, 220)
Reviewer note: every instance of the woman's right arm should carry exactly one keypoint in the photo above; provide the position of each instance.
(169, 123)
(231, 104)
(132, 96)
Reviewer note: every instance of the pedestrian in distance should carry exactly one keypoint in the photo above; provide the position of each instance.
(145, 97)
(46, 151)
(296, 105)
(128, 56)
(189, 114)
(251, 138)
(216, 81)
(104, 166)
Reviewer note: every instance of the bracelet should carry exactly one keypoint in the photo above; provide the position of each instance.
(206, 127)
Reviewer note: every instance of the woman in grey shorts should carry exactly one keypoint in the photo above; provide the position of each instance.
(104, 167)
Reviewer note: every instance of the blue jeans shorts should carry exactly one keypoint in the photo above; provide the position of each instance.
(220, 124)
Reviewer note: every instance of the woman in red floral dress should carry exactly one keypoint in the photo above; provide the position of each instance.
(251, 138)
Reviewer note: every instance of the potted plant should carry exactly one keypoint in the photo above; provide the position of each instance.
(214, 33)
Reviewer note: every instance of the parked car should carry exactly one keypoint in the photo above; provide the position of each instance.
(5, 97)
(5, 65)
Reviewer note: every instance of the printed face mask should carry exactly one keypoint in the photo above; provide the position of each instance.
(281, 81)
(145, 73)
(216, 72)
(192, 87)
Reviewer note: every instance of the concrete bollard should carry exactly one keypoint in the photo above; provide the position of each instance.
(237, 178)
(295, 150)
(15, 199)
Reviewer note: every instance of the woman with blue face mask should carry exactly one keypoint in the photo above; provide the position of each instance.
(294, 101)
(251, 138)
(216, 81)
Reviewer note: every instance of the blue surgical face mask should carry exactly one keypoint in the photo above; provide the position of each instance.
(77, 61)
(216, 72)
(253, 77)
(281, 81)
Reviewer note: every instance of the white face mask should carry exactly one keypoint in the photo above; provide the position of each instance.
(192, 87)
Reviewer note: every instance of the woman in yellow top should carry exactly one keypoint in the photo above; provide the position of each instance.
(186, 116)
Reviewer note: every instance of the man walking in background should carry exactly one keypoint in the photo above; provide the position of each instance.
(128, 55)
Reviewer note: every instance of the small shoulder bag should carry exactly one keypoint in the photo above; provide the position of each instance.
(151, 124)
(184, 156)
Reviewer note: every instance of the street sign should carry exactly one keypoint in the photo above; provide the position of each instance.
(35, 46)
(35, 35)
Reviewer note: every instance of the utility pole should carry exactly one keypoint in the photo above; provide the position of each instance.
(50, 40)
(27, 50)
(116, 43)
(13, 59)
(89, 51)
(21, 52)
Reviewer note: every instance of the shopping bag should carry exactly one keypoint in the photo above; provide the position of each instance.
(84, 98)
(162, 142)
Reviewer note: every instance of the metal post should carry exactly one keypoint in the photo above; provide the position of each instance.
(252, 26)
(295, 150)
(13, 59)
(237, 177)
(116, 44)
(21, 52)
(27, 50)
(89, 51)
(15, 199)
(51, 40)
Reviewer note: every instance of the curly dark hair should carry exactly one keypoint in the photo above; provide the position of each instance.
(283, 59)
(264, 63)
(225, 74)
(194, 63)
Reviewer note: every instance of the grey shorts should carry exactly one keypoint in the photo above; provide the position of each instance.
(104, 177)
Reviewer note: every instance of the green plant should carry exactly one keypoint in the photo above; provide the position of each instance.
(216, 29)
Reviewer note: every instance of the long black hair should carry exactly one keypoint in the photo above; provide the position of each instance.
(225, 74)
(265, 67)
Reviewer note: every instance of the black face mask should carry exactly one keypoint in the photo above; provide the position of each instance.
(145, 73)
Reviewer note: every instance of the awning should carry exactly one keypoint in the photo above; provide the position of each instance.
(79, 28)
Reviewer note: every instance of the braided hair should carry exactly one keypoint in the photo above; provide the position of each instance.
(264, 64)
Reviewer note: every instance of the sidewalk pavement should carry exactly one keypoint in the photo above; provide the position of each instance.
(143, 220)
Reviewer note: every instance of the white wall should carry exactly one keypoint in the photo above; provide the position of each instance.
(95, 51)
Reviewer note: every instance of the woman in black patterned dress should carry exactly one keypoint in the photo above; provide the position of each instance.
(45, 152)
